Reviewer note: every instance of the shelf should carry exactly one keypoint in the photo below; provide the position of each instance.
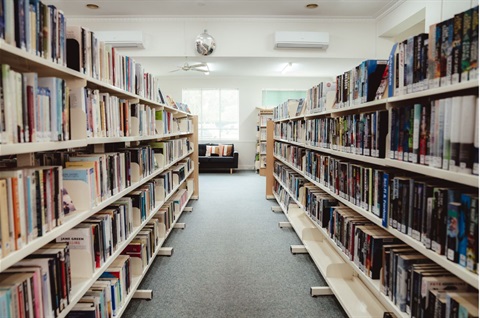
(462, 178)
(138, 279)
(23, 61)
(300, 117)
(21, 148)
(73, 219)
(81, 285)
(336, 271)
(455, 269)
(367, 159)
(435, 91)
(30, 147)
(373, 105)
(289, 142)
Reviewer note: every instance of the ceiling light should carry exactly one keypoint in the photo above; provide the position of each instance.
(311, 6)
(287, 68)
(92, 6)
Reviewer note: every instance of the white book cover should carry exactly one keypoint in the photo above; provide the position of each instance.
(455, 128)
(447, 133)
(82, 252)
(51, 84)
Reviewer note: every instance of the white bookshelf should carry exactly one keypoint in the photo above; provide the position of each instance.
(136, 280)
(22, 61)
(324, 251)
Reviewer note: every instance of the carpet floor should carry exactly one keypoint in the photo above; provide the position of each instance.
(233, 260)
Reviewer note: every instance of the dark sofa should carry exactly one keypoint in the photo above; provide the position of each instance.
(215, 162)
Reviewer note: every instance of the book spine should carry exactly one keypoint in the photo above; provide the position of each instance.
(467, 134)
(417, 117)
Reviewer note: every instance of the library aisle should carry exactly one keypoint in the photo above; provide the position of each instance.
(233, 260)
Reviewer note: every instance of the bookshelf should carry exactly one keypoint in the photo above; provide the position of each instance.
(322, 248)
(264, 115)
(24, 153)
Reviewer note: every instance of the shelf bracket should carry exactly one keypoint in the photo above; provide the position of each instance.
(194, 197)
(284, 224)
(146, 294)
(188, 209)
(179, 226)
(277, 208)
(320, 291)
(165, 251)
(298, 249)
(270, 197)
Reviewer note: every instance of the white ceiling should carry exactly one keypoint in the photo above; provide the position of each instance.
(284, 8)
(218, 9)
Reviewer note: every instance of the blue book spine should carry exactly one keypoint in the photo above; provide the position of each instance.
(391, 71)
(2, 19)
(385, 198)
(463, 229)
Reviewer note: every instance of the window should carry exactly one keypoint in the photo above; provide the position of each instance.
(272, 98)
(217, 110)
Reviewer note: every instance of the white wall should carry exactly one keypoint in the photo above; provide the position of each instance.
(245, 37)
(250, 90)
(412, 12)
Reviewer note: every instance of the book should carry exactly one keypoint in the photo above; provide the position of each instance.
(82, 254)
(468, 112)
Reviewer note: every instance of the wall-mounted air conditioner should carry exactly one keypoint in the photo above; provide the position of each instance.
(290, 39)
(122, 39)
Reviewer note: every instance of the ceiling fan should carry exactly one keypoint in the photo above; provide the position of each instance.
(199, 67)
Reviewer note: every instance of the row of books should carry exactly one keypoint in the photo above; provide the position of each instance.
(92, 178)
(169, 180)
(360, 84)
(32, 108)
(321, 98)
(407, 277)
(413, 282)
(293, 130)
(39, 285)
(442, 134)
(43, 106)
(441, 216)
(108, 294)
(166, 152)
(35, 27)
(167, 123)
(142, 248)
(423, 289)
(289, 109)
(107, 115)
(292, 180)
(96, 59)
(30, 205)
(361, 134)
(101, 300)
(447, 55)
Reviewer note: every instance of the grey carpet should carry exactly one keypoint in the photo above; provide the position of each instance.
(232, 260)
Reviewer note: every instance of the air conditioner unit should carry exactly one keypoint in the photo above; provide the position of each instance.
(288, 39)
(122, 39)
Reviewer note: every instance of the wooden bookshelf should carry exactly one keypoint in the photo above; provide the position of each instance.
(264, 115)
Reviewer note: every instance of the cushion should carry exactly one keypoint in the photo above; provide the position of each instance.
(220, 150)
(209, 151)
(227, 150)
